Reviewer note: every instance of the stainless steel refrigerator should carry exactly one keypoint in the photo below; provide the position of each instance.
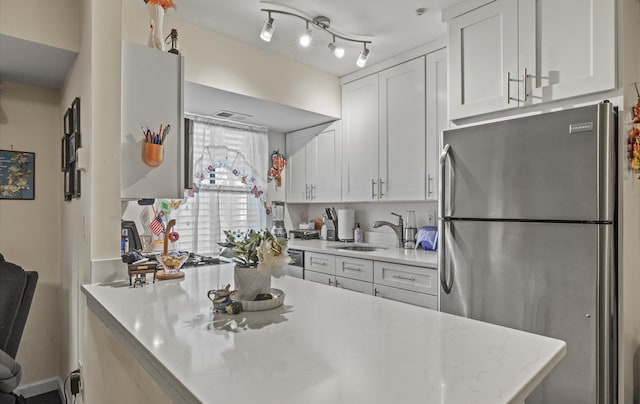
(527, 225)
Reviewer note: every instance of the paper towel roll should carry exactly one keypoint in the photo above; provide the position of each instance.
(346, 223)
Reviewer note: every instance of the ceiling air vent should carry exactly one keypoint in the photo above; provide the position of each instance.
(237, 116)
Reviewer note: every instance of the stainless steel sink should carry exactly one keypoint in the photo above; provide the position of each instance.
(361, 248)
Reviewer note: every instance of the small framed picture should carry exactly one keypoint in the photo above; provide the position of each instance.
(17, 174)
(76, 181)
(75, 115)
(64, 153)
(72, 147)
(67, 186)
(68, 121)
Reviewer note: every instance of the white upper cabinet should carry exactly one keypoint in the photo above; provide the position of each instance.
(401, 152)
(313, 164)
(568, 48)
(511, 53)
(383, 127)
(360, 140)
(437, 117)
(152, 94)
(483, 57)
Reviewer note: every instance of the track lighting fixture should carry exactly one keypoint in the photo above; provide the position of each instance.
(362, 59)
(267, 29)
(335, 49)
(305, 39)
(320, 22)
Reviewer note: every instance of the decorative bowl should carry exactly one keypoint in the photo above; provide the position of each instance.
(172, 262)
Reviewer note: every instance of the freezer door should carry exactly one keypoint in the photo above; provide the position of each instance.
(536, 277)
(555, 166)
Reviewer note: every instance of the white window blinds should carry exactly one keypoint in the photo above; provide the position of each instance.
(232, 161)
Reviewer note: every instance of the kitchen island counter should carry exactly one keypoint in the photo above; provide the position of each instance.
(324, 345)
(416, 257)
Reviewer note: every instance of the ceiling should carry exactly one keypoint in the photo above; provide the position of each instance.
(392, 27)
(207, 101)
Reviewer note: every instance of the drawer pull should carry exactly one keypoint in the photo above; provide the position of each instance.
(404, 278)
(353, 269)
(324, 264)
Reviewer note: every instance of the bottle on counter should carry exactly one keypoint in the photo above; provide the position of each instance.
(124, 242)
(323, 231)
(358, 234)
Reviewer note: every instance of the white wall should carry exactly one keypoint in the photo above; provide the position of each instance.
(54, 23)
(217, 61)
(30, 230)
(629, 212)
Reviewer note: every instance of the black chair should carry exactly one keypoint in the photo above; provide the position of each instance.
(17, 287)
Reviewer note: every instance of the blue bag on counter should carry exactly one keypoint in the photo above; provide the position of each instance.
(427, 238)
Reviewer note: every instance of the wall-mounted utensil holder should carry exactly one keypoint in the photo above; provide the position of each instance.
(152, 154)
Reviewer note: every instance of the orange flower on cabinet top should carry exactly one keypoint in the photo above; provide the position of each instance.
(164, 3)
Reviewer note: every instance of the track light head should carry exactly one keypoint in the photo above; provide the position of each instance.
(305, 39)
(362, 59)
(267, 29)
(335, 49)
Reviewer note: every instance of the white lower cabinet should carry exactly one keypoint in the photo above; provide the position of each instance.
(402, 283)
(407, 296)
(346, 273)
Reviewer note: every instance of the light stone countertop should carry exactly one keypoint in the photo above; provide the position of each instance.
(325, 345)
(422, 258)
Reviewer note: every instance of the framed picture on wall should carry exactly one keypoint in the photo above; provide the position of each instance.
(67, 186)
(76, 181)
(68, 121)
(64, 154)
(72, 147)
(75, 116)
(17, 174)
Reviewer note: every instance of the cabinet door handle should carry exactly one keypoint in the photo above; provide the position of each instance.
(376, 292)
(509, 80)
(404, 278)
(380, 182)
(337, 284)
(306, 192)
(330, 281)
(373, 189)
(353, 269)
(313, 192)
(429, 182)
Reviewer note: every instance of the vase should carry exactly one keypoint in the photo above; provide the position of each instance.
(249, 282)
(156, 14)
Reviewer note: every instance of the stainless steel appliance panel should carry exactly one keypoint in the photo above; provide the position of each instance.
(537, 277)
(552, 166)
(296, 267)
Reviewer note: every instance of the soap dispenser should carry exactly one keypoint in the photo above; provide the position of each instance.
(358, 234)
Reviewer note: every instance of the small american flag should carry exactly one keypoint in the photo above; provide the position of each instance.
(156, 225)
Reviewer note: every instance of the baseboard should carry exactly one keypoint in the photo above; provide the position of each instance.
(41, 387)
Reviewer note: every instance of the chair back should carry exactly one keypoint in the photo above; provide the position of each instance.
(17, 288)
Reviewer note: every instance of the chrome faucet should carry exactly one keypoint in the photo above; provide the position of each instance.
(397, 228)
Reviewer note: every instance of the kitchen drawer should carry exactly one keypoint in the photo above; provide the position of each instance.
(355, 285)
(417, 279)
(354, 268)
(320, 262)
(407, 296)
(319, 277)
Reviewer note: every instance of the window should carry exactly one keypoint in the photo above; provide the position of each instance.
(231, 162)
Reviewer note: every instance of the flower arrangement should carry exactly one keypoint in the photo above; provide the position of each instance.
(257, 249)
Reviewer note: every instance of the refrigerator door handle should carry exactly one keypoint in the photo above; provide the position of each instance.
(441, 223)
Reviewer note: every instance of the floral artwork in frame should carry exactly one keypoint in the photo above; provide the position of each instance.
(17, 175)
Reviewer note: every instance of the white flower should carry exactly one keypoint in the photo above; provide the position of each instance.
(271, 258)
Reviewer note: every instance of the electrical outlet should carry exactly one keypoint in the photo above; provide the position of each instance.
(431, 218)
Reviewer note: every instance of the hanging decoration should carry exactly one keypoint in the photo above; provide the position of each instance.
(278, 163)
(633, 145)
(209, 174)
